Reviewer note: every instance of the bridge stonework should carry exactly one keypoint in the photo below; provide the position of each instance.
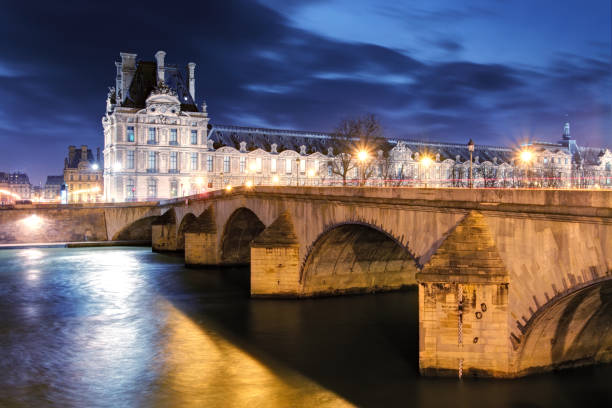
(504, 276)
(510, 282)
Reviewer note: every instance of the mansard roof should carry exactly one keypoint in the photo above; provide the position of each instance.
(145, 80)
(73, 160)
(452, 150)
(14, 178)
(54, 180)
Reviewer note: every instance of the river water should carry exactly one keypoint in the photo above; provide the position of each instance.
(124, 327)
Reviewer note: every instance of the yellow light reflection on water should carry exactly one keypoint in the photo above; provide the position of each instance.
(203, 367)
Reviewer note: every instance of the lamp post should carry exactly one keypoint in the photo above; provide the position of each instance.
(426, 162)
(362, 156)
(526, 157)
(470, 146)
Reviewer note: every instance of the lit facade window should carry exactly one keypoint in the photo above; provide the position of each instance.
(152, 188)
(303, 166)
(130, 159)
(242, 164)
(226, 164)
(152, 161)
(152, 135)
(288, 166)
(130, 189)
(194, 161)
(209, 162)
(258, 164)
(173, 137)
(194, 137)
(173, 160)
(273, 165)
(173, 188)
(130, 133)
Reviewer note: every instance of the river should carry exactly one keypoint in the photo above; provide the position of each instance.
(125, 327)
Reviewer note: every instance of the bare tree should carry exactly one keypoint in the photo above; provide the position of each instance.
(354, 135)
(489, 176)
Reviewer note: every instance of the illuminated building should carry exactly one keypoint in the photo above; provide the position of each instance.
(83, 175)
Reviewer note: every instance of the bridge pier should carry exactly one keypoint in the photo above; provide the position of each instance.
(201, 241)
(163, 232)
(275, 263)
(463, 306)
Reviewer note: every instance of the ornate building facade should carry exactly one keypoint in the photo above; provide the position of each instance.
(158, 144)
(83, 176)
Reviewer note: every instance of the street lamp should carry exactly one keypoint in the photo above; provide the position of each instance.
(526, 157)
(426, 162)
(470, 147)
(94, 166)
(362, 156)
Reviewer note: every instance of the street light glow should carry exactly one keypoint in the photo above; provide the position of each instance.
(362, 155)
(228, 188)
(199, 181)
(248, 184)
(275, 180)
(426, 161)
(253, 167)
(32, 222)
(526, 156)
(94, 166)
(311, 173)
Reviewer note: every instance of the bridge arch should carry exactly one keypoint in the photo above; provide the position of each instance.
(572, 329)
(187, 220)
(353, 257)
(139, 230)
(242, 226)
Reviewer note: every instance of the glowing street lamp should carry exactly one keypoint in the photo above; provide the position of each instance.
(362, 157)
(526, 156)
(248, 184)
(95, 166)
(275, 180)
(426, 161)
(228, 188)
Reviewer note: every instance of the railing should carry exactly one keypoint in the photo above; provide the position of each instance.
(152, 142)
(174, 171)
(173, 143)
(152, 170)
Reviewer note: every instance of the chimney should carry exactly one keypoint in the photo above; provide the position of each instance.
(128, 68)
(71, 153)
(191, 75)
(97, 154)
(84, 152)
(159, 58)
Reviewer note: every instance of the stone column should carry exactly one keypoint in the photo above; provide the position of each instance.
(463, 306)
(163, 232)
(275, 260)
(201, 240)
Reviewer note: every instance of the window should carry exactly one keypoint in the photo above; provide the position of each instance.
(194, 137)
(273, 165)
(194, 161)
(152, 161)
(242, 164)
(302, 165)
(173, 188)
(288, 166)
(209, 163)
(316, 166)
(329, 170)
(130, 133)
(152, 188)
(258, 164)
(226, 164)
(152, 136)
(130, 159)
(130, 189)
(173, 137)
(173, 161)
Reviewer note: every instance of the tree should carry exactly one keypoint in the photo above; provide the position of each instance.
(354, 135)
(489, 176)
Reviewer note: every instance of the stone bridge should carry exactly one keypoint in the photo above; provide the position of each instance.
(510, 281)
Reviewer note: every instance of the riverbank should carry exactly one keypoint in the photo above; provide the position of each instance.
(80, 244)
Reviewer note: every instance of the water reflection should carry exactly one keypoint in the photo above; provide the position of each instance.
(127, 327)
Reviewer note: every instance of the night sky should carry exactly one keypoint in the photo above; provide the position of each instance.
(497, 71)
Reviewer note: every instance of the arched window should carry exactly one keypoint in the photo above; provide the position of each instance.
(173, 188)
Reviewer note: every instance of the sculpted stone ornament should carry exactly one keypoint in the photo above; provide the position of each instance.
(163, 101)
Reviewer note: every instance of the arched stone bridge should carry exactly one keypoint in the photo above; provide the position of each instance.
(510, 281)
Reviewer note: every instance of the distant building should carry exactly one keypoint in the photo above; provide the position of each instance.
(52, 188)
(14, 186)
(83, 175)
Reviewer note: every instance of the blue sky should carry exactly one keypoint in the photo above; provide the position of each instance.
(499, 72)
